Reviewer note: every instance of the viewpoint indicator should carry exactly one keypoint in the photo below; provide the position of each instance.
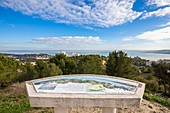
(85, 84)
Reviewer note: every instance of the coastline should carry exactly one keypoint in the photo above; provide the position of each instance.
(152, 55)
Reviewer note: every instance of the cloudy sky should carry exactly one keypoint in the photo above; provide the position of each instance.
(84, 24)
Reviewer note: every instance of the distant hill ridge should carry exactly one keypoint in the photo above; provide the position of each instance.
(158, 51)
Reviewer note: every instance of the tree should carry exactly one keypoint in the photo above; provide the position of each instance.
(8, 70)
(161, 71)
(28, 72)
(2, 74)
(54, 70)
(66, 64)
(42, 68)
(89, 64)
(45, 69)
(137, 61)
(118, 64)
(111, 63)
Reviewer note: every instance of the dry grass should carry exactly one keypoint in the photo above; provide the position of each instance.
(14, 89)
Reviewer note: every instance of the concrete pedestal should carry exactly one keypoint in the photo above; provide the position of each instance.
(109, 110)
(65, 110)
(61, 102)
(60, 110)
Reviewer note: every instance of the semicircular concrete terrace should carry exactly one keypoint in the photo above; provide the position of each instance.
(85, 91)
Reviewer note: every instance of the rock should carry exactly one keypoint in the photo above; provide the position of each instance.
(150, 106)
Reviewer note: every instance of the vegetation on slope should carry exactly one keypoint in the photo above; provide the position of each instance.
(159, 99)
(156, 77)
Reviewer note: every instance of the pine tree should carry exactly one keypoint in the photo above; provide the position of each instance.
(118, 64)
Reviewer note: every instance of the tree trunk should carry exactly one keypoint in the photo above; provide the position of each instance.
(165, 89)
(169, 89)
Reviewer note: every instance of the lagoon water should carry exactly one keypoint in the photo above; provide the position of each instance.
(143, 54)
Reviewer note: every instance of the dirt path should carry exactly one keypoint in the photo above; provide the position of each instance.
(146, 107)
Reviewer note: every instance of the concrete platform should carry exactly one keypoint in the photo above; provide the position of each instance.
(108, 102)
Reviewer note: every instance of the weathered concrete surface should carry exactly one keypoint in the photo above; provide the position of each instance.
(108, 110)
(61, 110)
(86, 100)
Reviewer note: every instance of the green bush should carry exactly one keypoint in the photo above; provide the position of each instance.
(150, 81)
(14, 104)
(8, 70)
(158, 99)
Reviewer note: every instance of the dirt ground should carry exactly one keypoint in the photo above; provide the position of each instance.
(146, 107)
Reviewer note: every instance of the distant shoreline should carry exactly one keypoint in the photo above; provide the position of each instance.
(145, 54)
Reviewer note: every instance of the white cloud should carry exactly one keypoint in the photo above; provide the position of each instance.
(149, 40)
(159, 2)
(100, 13)
(128, 39)
(167, 24)
(68, 40)
(158, 13)
(155, 35)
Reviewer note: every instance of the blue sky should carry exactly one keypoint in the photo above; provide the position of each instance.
(84, 24)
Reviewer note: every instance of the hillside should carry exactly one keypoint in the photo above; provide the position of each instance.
(158, 51)
(13, 99)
